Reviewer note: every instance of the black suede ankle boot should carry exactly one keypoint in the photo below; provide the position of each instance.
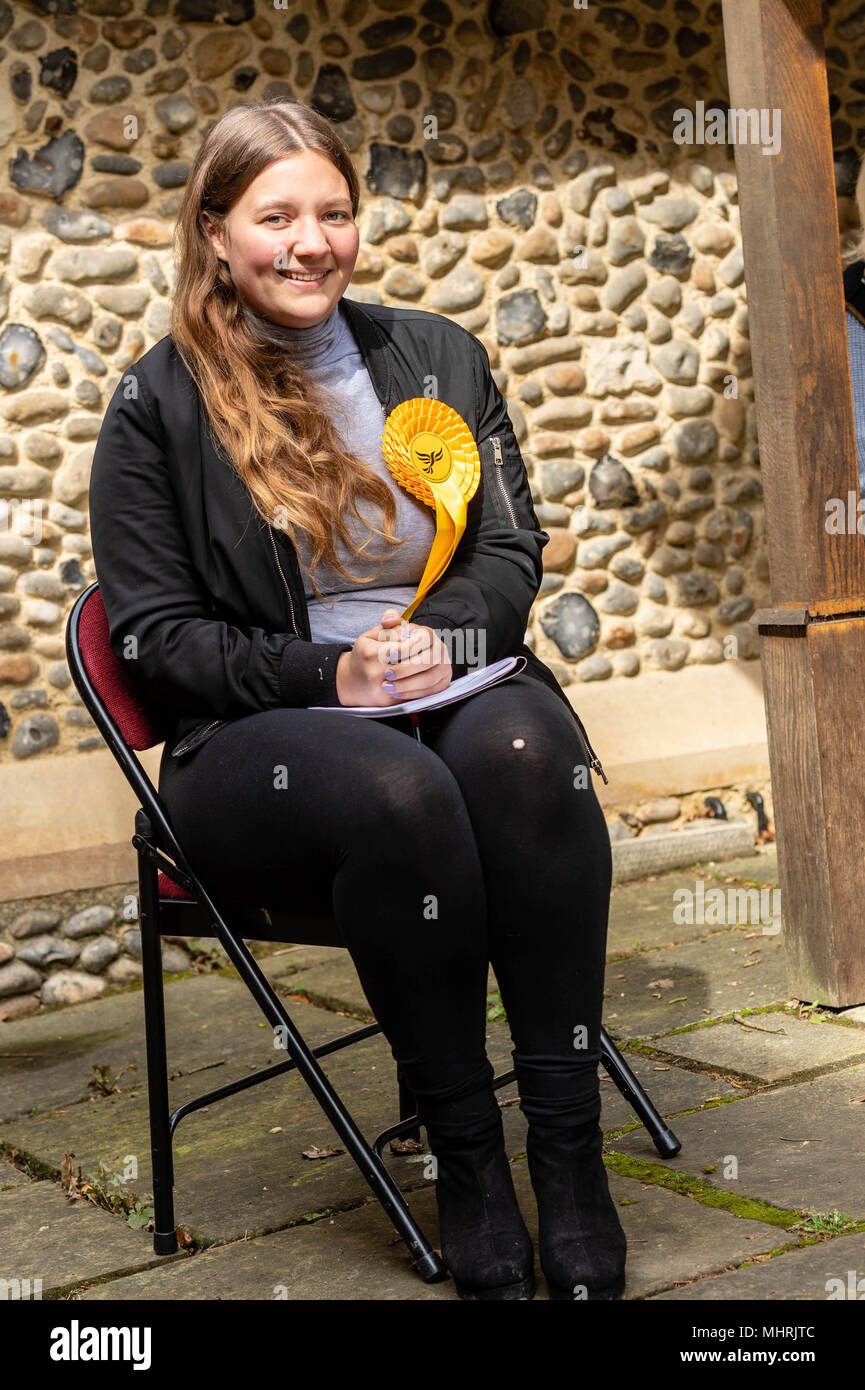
(484, 1240)
(582, 1246)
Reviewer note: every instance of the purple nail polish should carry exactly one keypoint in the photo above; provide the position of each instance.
(386, 685)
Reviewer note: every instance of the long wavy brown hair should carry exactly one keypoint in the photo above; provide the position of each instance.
(266, 411)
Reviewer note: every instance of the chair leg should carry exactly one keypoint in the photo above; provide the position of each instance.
(426, 1261)
(665, 1141)
(164, 1235)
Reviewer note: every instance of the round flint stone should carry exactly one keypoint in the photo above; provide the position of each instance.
(52, 169)
(611, 485)
(75, 225)
(331, 95)
(35, 735)
(518, 208)
(572, 623)
(520, 317)
(21, 354)
(89, 921)
(395, 172)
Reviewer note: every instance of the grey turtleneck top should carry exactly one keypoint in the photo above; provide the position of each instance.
(329, 351)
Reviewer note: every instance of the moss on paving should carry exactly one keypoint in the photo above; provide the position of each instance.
(748, 1208)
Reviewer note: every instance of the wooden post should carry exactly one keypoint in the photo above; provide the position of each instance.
(812, 639)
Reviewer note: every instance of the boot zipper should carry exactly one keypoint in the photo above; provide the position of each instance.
(497, 455)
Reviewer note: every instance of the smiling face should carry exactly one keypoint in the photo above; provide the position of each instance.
(294, 217)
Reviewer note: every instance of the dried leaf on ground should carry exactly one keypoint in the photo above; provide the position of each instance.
(315, 1152)
(406, 1146)
(70, 1181)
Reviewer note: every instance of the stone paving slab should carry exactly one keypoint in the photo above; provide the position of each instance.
(799, 1147)
(208, 1017)
(670, 1088)
(357, 1255)
(239, 1164)
(10, 1176)
(669, 1234)
(46, 1236)
(773, 1047)
(754, 868)
(791, 1277)
(698, 979)
(641, 915)
(232, 1173)
(327, 976)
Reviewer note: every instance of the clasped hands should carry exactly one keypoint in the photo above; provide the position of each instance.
(396, 660)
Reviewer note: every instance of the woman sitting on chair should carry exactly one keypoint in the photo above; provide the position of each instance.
(240, 484)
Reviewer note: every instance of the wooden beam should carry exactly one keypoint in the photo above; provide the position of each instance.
(789, 220)
(812, 638)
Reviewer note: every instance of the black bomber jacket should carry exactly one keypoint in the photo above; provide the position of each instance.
(206, 602)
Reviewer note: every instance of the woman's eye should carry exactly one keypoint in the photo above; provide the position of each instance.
(335, 213)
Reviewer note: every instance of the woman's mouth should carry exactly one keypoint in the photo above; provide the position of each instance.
(305, 277)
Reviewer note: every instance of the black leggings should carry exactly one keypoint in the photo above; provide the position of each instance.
(486, 843)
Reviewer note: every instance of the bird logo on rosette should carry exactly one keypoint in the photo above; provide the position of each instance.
(431, 456)
(431, 452)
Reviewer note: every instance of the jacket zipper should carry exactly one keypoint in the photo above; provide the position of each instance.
(199, 734)
(282, 576)
(497, 455)
(594, 760)
(495, 440)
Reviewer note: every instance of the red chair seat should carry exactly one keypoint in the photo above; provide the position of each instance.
(169, 889)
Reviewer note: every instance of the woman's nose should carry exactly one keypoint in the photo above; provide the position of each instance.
(309, 234)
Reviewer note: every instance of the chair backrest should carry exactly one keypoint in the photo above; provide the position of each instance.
(116, 707)
(121, 715)
(109, 676)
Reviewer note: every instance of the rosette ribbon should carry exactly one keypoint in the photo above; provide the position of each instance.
(429, 449)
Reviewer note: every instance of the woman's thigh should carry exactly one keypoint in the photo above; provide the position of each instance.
(523, 772)
(280, 797)
(515, 740)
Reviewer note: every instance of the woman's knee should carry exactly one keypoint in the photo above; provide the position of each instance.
(411, 796)
(521, 754)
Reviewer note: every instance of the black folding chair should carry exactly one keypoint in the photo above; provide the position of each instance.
(173, 900)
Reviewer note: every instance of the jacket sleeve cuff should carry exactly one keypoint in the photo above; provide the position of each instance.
(307, 674)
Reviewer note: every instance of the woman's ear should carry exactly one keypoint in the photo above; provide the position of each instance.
(215, 237)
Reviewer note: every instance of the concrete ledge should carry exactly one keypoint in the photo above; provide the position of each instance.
(652, 854)
(667, 733)
(67, 822)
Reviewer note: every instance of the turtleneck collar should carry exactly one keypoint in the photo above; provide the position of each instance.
(310, 343)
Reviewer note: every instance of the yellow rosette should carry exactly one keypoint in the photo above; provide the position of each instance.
(429, 449)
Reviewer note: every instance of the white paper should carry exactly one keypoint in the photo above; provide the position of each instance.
(458, 689)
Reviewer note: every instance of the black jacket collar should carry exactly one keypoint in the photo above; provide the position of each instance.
(373, 345)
